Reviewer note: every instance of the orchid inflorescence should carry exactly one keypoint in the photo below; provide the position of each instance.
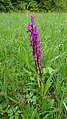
(35, 44)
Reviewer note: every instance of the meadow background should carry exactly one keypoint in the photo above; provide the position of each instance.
(20, 95)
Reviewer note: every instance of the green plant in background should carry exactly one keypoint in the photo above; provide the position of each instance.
(32, 6)
(13, 113)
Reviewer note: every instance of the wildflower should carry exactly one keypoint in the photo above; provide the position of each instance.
(35, 44)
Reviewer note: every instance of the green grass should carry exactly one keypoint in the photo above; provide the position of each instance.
(20, 96)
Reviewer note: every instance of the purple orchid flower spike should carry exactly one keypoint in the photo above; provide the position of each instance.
(35, 44)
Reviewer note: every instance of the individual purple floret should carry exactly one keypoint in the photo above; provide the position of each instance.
(35, 44)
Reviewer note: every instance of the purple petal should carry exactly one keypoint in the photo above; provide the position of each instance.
(35, 59)
(40, 64)
(32, 20)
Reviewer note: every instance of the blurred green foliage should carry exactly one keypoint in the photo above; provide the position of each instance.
(33, 5)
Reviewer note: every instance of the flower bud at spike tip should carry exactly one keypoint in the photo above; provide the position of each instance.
(35, 44)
